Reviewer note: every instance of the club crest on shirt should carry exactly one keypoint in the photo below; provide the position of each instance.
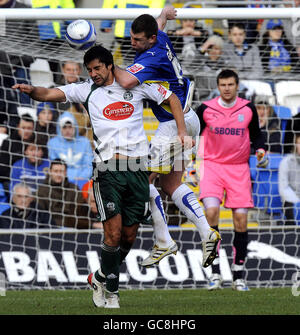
(241, 117)
(128, 95)
(135, 68)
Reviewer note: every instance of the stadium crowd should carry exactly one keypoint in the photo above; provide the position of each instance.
(46, 149)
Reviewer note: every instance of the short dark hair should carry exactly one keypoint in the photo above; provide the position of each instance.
(26, 117)
(239, 25)
(100, 53)
(58, 161)
(227, 73)
(145, 23)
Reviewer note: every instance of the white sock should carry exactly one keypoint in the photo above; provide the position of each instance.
(162, 236)
(185, 199)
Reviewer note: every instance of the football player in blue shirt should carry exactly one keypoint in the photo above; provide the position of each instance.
(156, 61)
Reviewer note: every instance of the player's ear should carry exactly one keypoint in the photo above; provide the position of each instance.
(153, 39)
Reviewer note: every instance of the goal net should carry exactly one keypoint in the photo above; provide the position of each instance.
(39, 254)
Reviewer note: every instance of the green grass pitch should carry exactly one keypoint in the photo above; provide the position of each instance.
(262, 301)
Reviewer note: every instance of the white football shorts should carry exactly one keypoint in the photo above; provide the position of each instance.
(165, 148)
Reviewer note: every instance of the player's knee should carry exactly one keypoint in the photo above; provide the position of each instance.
(212, 215)
(129, 238)
(113, 238)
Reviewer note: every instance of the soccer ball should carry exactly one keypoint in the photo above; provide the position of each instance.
(81, 34)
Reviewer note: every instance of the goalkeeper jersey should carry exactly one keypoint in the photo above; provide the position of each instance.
(228, 132)
(116, 115)
(160, 64)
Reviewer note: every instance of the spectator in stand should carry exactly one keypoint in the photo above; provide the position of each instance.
(240, 55)
(24, 212)
(71, 72)
(45, 127)
(32, 168)
(289, 182)
(290, 25)
(75, 150)
(12, 148)
(121, 27)
(186, 41)
(91, 208)
(291, 130)
(211, 60)
(62, 198)
(277, 53)
(269, 125)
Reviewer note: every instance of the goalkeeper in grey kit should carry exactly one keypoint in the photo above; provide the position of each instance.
(121, 185)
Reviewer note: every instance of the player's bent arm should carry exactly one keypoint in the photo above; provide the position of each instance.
(41, 93)
(167, 13)
(125, 79)
(178, 114)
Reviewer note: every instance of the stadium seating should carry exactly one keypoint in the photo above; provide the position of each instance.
(40, 73)
(265, 185)
(288, 94)
(284, 114)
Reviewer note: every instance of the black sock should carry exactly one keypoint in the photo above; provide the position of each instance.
(215, 267)
(110, 264)
(240, 242)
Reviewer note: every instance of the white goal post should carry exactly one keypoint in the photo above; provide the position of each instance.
(62, 258)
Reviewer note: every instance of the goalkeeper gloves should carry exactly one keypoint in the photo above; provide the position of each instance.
(262, 159)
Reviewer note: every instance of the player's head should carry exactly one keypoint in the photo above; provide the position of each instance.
(99, 63)
(144, 30)
(228, 85)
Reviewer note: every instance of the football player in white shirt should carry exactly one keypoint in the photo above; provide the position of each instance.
(121, 185)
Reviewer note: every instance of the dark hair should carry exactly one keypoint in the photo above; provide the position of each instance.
(239, 25)
(145, 23)
(227, 73)
(99, 52)
(34, 140)
(58, 161)
(26, 117)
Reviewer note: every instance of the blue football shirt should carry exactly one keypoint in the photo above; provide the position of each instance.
(160, 64)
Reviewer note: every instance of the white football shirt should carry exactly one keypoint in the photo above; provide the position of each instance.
(116, 115)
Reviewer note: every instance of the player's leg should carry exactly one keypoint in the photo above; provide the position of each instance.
(164, 245)
(239, 199)
(187, 202)
(106, 278)
(240, 242)
(127, 239)
(105, 281)
(212, 212)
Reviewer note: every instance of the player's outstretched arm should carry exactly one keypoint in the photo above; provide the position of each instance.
(41, 93)
(167, 13)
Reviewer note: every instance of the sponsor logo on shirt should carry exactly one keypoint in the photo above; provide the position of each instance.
(118, 111)
(228, 131)
(135, 68)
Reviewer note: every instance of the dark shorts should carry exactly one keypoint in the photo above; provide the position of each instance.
(122, 192)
